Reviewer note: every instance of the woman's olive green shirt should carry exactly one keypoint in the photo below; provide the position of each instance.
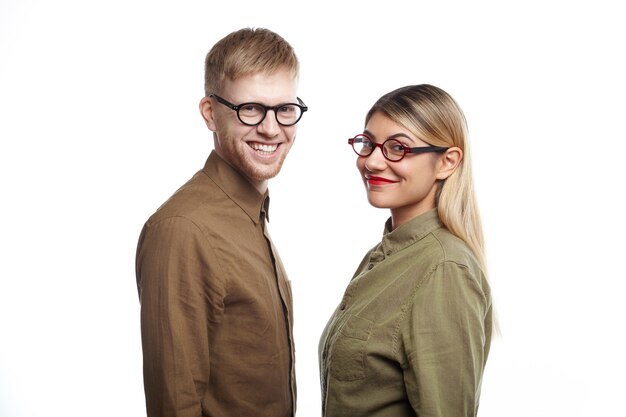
(412, 333)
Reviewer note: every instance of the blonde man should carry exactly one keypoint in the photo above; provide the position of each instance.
(216, 306)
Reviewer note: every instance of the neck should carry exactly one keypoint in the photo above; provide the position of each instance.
(261, 186)
(401, 215)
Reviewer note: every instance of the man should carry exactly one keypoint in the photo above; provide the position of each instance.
(216, 306)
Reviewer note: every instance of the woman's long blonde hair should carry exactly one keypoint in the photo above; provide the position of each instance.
(434, 116)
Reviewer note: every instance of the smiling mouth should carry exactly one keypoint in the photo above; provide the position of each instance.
(263, 149)
(379, 181)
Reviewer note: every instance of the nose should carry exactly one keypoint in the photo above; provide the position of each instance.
(375, 161)
(269, 127)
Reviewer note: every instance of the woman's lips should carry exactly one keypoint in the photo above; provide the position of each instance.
(373, 180)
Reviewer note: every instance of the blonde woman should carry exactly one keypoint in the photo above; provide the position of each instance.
(412, 333)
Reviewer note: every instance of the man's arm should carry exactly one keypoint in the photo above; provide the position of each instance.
(172, 278)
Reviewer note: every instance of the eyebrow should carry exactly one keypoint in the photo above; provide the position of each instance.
(395, 136)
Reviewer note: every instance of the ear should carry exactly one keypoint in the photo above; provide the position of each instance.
(449, 162)
(208, 113)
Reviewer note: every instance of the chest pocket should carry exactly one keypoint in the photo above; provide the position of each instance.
(348, 351)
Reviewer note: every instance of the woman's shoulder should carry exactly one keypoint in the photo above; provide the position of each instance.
(451, 248)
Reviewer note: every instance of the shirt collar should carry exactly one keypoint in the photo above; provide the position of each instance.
(237, 187)
(409, 232)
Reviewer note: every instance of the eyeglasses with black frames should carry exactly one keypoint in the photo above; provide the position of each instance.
(253, 114)
(392, 149)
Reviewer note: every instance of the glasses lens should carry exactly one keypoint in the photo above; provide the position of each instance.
(362, 145)
(251, 113)
(393, 150)
(288, 114)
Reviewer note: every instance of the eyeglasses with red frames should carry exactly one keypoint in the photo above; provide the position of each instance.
(393, 150)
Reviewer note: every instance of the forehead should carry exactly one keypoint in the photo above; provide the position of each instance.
(270, 88)
(379, 123)
(380, 128)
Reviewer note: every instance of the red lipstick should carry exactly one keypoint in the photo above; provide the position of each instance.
(374, 180)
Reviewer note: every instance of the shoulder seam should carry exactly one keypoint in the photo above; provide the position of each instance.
(206, 239)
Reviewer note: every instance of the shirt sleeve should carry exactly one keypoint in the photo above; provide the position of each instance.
(173, 272)
(445, 340)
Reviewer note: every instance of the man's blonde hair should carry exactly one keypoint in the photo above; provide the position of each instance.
(247, 51)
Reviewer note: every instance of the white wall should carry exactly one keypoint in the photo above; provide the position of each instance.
(99, 125)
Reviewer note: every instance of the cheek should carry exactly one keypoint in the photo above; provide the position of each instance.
(360, 164)
(420, 169)
(290, 132)
(238, 131)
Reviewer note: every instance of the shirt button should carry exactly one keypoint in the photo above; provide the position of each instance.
(342, 306)
(388, 252)
(370, 266)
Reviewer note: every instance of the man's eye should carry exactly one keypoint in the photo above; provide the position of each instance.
(287, 109)
(251, 108)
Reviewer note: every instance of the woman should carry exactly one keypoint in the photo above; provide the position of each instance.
(412, 332)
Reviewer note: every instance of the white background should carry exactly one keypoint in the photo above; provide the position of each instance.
(99, 125)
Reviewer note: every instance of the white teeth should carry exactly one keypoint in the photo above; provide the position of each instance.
(263, 148)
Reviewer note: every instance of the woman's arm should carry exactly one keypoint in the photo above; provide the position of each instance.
(446, 335)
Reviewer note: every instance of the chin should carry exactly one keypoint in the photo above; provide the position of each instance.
(264, 172)
(374, 202)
